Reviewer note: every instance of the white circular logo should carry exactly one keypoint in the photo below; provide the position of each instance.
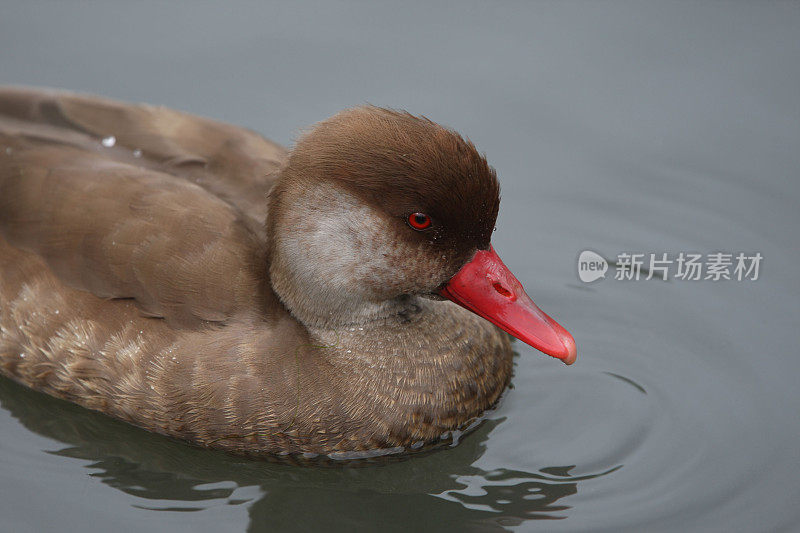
(591, 266)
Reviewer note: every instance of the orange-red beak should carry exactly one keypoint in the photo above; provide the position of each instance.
(486, 287)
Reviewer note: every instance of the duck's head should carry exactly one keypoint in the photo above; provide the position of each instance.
(375, 207)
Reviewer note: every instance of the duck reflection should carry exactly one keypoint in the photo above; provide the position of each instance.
(167, 475)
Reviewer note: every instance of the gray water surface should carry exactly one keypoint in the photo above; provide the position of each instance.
(614, 126)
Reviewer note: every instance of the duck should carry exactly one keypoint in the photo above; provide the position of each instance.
(194, 279)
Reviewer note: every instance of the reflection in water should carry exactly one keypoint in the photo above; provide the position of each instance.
(521, 496)
(442, 488)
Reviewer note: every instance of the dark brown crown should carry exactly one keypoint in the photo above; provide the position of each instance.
(402, 164)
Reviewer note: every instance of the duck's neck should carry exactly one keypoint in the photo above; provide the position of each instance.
(415, 375)
(392, 323)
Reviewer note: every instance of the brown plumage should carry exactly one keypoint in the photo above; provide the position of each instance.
(199, 281)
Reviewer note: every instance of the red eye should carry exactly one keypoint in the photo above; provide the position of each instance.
(419, 221)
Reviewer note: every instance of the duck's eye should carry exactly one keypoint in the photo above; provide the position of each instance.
(419, 221)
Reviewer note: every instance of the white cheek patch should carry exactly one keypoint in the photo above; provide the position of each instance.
(336, 251)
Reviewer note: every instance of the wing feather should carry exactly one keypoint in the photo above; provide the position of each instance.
(178, 229)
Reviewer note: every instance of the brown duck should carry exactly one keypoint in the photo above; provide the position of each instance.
(197, 280)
